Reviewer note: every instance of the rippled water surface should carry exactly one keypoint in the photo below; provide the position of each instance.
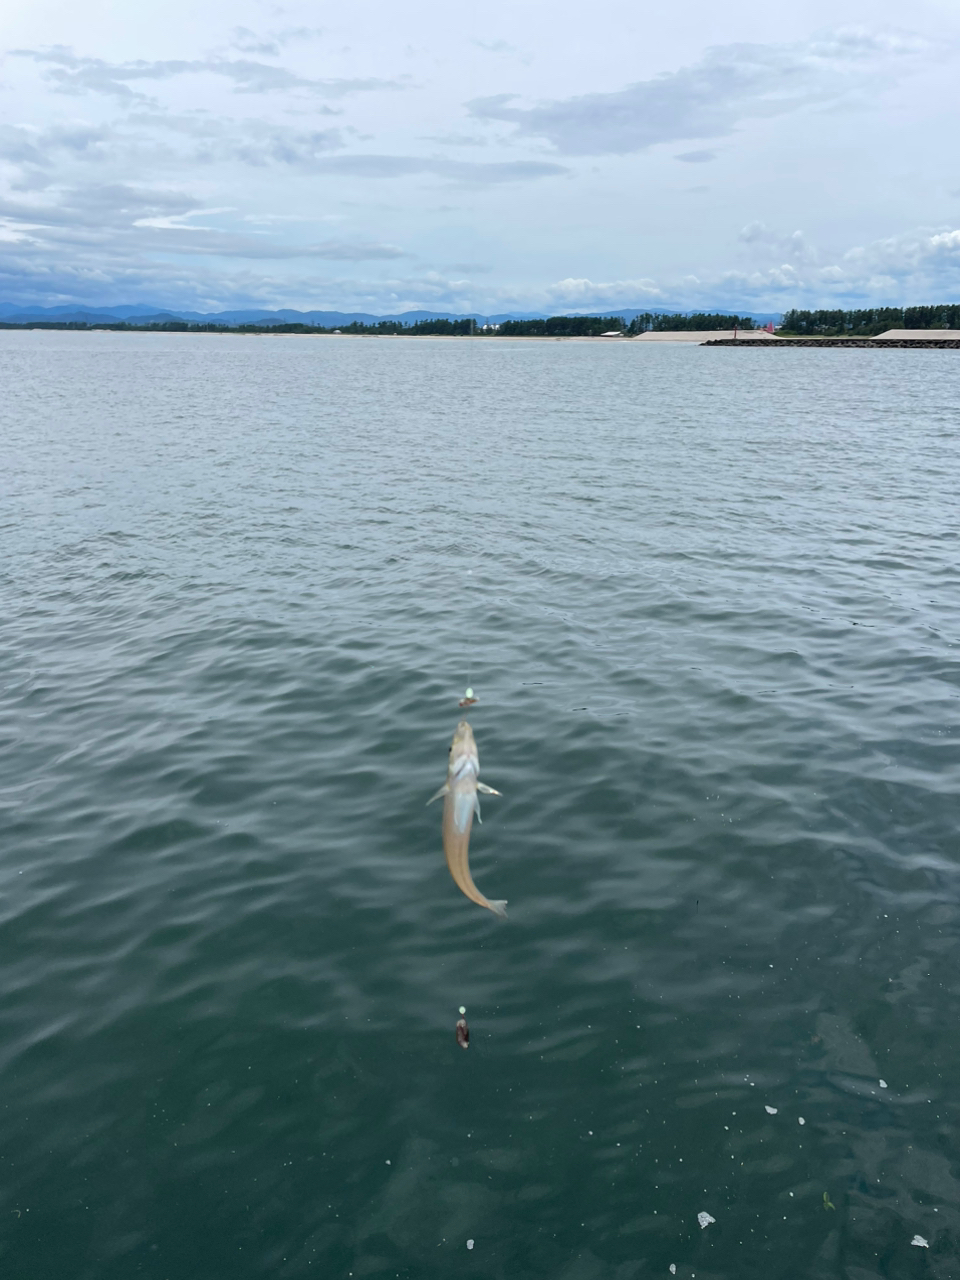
(710, 603)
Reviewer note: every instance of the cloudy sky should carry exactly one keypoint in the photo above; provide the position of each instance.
(499, 156)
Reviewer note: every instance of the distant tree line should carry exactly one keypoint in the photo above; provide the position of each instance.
(447, 328)
(555, 326)
(700, 321)
(551, 327)
(868, 322)
(834, 323)
(121, 326)
(561, 327)
(591, 326)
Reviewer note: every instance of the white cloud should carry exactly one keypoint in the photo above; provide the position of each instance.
(587, 295)
(907, 255)
(248, 41)
(730, 84)
(900, 270)
(919, 266)
(794, 245)
(73, 74)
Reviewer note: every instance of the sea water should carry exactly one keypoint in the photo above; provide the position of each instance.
(709, 602)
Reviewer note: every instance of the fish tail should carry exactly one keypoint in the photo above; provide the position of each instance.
(498, 907)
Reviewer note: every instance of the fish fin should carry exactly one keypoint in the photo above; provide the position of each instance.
(444, 790)
(476, 807)
(499, 908)
(487, 791)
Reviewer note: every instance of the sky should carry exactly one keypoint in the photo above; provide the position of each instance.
(505, 156)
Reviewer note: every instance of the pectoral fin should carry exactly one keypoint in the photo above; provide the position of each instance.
(487, 791)
(444, 790)
(476, 807)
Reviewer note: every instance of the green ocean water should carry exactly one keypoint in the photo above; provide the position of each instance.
(709, 600)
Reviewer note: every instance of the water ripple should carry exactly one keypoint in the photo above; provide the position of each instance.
(709, 606)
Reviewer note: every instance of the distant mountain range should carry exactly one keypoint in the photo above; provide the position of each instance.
(142, 315)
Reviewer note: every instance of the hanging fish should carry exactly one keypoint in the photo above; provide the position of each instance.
(460, 802)
(463, 1033)
(468, 700)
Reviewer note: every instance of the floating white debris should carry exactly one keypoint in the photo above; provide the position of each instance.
(800, 1120)
(704, 1219)
(883, 1084)
(388, 1162)
(771, 1111)
(469, 1244)
(673, 1268)
(920, 1242)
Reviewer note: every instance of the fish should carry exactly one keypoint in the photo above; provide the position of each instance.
(463, 1034)
(460, 803)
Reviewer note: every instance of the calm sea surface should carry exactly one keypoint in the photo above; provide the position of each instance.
(710, 603)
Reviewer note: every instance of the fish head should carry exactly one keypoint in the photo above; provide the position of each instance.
(463, 751)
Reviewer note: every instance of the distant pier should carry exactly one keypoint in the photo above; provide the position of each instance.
(940, 343)
(940, 338)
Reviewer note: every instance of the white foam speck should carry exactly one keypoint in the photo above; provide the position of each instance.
(771, 1111)
(704, 1219)
(800, 1120)
(883, 1084)
(920, 1242)
(469, 1244)
(673, 1268)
